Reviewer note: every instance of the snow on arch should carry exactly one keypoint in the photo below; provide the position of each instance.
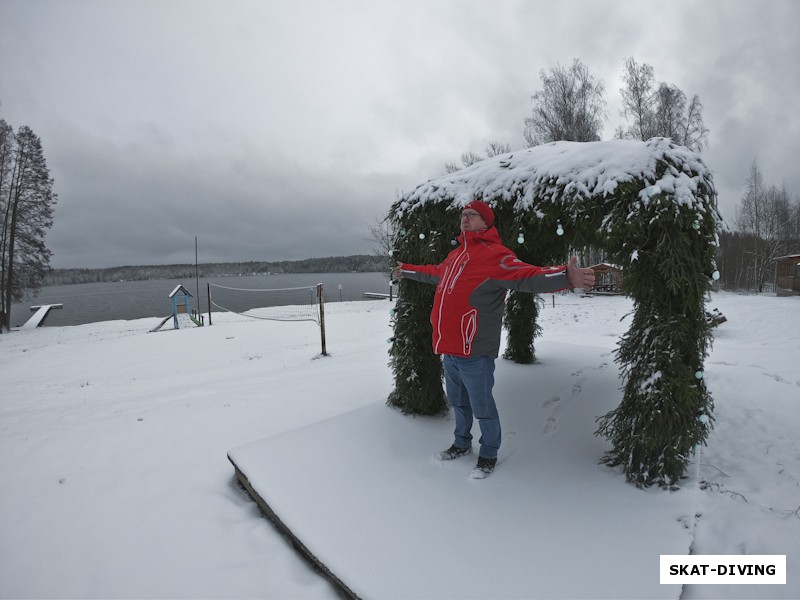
(561, 170)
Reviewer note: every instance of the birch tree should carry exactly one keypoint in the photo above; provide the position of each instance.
(570, 106)
(659, 109)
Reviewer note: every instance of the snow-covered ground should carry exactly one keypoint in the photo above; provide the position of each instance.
(113, 444)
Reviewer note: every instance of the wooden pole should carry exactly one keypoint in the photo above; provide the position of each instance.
(208, 291)
(321, 301)
(197, 277)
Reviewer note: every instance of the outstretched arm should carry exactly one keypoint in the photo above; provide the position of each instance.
(423, 273)
(522, 277)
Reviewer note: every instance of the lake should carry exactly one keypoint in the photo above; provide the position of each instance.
(126, 300)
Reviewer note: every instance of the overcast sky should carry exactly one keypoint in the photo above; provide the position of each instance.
(280, 130)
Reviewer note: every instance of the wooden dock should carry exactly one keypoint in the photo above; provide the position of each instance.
(40, 314)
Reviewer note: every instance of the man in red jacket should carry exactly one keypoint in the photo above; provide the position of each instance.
(467, 316)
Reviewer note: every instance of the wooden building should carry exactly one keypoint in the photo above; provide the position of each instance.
(787, 275)
(607, 279)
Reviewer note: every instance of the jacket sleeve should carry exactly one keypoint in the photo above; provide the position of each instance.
(513, 274)
(423, 273)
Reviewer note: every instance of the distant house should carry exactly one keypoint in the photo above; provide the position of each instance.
(787, 275)
(607, 279)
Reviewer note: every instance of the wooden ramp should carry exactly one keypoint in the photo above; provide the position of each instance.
(40, 314)
(362, 498)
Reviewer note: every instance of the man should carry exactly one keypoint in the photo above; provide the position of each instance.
(467, 316)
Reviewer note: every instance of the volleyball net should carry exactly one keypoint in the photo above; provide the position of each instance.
(278, 304)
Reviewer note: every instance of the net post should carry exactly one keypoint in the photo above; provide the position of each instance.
(321, 301)
(208, 289)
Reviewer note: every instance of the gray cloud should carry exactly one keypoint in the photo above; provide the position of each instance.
(281, 130)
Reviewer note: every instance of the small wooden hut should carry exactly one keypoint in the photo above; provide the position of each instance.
(607, 279)
(787, 275)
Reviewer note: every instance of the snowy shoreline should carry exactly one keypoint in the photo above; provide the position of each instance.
(114, 444)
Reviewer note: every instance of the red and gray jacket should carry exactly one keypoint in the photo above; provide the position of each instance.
(471, 286)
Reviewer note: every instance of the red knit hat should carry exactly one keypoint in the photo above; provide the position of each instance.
(484, 210)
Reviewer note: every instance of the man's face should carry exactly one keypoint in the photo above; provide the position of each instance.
(471, 220)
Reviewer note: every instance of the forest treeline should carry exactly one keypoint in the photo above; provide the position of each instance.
(359, 263)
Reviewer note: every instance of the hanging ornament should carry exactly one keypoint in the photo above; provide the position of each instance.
(698, 374)
(454, 242)
(422, 236)
(703, 419)
(390, 340)
(521, 236)
(559, 229)
(391, 311)
(715, 275)
(696, 225)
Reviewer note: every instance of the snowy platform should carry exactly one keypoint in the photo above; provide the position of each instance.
(372, 505)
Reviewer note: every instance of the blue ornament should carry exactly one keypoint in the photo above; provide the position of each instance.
(698, 374)
(422, 236)
(715, 275)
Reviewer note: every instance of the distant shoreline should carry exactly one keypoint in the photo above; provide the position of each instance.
(360, 263)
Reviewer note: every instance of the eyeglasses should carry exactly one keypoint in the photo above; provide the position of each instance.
(470, 215)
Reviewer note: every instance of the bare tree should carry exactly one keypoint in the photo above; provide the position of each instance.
(467, 159)
(659, 110)
(470, 158)
(383, 233)
(497, 148)
(569, 107)
(668, 117)
(765, 217)
(695, 133)
(638, 101)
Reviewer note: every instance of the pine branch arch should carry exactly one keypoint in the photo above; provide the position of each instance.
(652, 207)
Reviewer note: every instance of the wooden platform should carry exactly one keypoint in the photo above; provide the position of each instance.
(40, 314)
(363, 499)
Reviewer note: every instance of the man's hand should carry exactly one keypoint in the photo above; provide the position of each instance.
(578, 277)
(397, 274)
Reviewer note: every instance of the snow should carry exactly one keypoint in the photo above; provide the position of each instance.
(116, 482)
(572, 170)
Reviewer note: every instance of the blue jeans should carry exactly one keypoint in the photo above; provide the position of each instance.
(469, 383)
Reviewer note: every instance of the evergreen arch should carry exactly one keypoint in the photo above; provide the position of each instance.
(651, 206)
